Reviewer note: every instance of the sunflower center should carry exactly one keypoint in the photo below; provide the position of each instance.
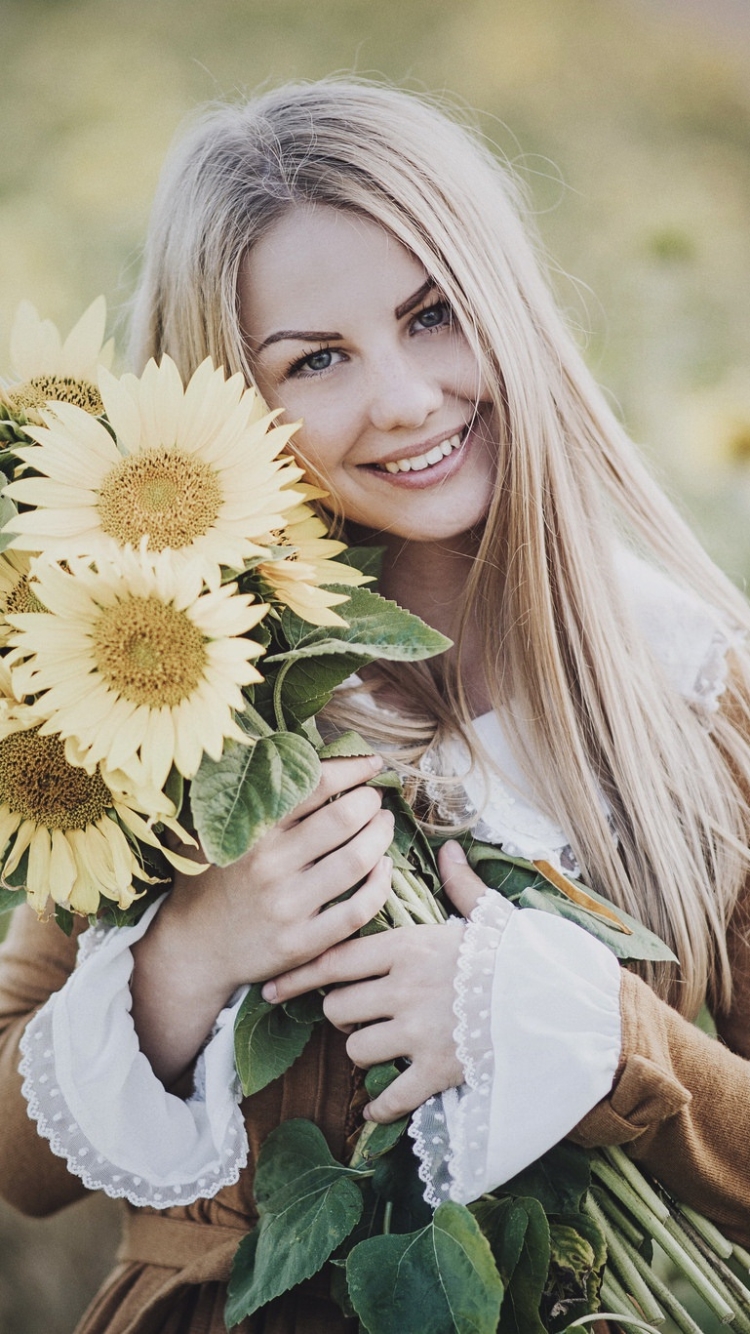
(34, 394)
(37, 782)
(22, 598)
(149, 652)
(163, 494)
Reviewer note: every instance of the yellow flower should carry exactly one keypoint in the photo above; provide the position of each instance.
(135, 662)
(51, 370)
(296, 579)
(16, 591)
(70, 822)
(197, 471)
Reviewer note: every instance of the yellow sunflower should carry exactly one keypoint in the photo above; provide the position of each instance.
(16, 591)
(50, 370)
(70, 822)
(296, 579)
(136, 662)
(195, 469)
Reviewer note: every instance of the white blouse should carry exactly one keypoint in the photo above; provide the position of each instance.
(537, 1003)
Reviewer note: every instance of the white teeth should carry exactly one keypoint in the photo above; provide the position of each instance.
(419, 461)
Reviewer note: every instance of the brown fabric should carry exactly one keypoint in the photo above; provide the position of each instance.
(680, 1103)
(144, 1295)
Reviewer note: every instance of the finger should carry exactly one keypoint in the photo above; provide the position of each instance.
(346, 866)
(348, 961)
(359, 1003)
(404, 1095)
(376, 1043)
(331, 825)
(336, 776)
(462, 885)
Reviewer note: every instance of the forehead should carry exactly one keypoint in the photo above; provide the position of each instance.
(319, 265)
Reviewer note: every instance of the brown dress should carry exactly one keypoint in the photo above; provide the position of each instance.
(680, 1102)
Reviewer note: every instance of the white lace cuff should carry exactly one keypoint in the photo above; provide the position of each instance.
(539, 1037)
(97, 1100)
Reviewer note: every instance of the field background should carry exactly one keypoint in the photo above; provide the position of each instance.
(629, 121)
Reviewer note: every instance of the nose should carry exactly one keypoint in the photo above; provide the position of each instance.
(402, 394)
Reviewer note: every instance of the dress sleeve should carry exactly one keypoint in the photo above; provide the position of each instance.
(95, 1097)
(35, 960)
(537, 1003)
(680, 1103)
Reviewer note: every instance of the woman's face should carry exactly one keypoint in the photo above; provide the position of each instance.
(346, 331)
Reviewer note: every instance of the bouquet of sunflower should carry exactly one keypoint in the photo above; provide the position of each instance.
(173, 616)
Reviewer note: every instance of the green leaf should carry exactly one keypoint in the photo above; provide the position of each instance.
(396, 1179)
(308, 684)
(518, 1233)
(65, 919)
(642, 944)
(349, 743)
(306, 1009)
(267, 1041)
(436, 1281)
(375, 1140)
(291, 1149)
(558, 1180)
(376, 629)
(8, 511)
(10, 899)
(237, 799)
(368, 560)
(300, 1226)
(378, 1077)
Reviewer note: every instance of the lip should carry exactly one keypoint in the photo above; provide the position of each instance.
(426, 477)
(414, 451)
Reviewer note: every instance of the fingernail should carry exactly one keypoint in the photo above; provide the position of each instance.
(453, 852)
(269, 992)
(366, 1114)
(376, 763)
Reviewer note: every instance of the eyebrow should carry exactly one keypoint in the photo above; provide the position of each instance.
(325, 336)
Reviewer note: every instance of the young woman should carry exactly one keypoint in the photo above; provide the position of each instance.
(360, 257)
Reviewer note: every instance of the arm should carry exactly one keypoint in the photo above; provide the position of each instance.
(680, 1102)
(35, 960)
(112, 1117)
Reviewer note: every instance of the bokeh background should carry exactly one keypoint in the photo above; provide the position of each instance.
(629, 122)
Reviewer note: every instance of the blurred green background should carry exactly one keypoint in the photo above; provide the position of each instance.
(629, 121)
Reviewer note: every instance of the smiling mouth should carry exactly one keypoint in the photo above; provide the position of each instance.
(418, 462)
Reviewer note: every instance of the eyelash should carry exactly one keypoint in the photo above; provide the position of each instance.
(299, 368)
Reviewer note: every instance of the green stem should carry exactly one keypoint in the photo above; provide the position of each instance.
(426, 897)
(627, 1167)
(695, 1273)
(741, 1255)
(396, 911)
(662, 1293)
(632, 1280)
(723, 1279)
(409, 899)
(387, 1215)
(278, 708)
(617, 1215)
(614, 1296)
(251, 715)
(710, 1234)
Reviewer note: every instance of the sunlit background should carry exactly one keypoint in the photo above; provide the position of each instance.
(629, 121)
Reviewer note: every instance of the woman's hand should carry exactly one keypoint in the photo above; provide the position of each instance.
(393, 993)
(263, 914)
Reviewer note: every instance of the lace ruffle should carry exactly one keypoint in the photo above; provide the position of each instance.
(450, 1131)
(213, 1132)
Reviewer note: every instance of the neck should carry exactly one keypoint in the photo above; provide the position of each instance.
(430, 579)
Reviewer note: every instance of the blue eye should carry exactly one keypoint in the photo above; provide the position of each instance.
(315, 363)
(319, 361)
(435, 316)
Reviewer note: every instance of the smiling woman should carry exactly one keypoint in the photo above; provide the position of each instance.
(362, 259)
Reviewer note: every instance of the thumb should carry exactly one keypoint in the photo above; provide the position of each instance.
(462, 885)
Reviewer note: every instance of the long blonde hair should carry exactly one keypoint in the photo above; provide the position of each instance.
(588, 706)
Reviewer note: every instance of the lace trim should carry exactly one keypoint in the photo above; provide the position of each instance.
(711, 681)
(47, 1106)
(450, 1131)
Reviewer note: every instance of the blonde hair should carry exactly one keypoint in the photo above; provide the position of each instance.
(588, 706)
